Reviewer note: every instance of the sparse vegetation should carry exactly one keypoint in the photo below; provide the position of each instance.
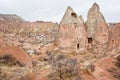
(63, 68)
(9, 61)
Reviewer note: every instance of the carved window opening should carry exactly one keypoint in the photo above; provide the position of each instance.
(78, 46)
(74, 15)
(90, 40)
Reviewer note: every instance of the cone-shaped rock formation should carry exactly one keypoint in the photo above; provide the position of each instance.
(97, 28)
(71, 33)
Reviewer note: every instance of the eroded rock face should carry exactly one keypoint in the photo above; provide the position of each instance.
(16, 54)
(118, 61)
(97, 28)
(42, 32)
(10, 22)
(71, 32)
(114, 41)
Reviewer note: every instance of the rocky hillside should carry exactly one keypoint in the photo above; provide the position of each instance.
(9, 22)
(10, 17)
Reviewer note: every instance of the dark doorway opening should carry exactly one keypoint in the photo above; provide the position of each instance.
(78, 46)
(74, 15)
(90, 40)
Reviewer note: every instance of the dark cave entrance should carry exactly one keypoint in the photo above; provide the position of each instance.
(74, 15)
(90, 40)
(78, 46)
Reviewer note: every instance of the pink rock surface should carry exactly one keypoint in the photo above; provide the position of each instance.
(97, 29)
(115, 35)
(71, 33)
(17, 54)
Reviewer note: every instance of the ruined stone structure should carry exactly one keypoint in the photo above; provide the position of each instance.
(71, 33)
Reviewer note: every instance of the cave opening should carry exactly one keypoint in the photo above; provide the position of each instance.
(78, 46)
(74, 15)
(90, 40)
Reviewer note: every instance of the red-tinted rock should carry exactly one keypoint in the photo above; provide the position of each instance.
(114, 41)
(17, 54)
(71, 33)
(97, 29)
(10, 22)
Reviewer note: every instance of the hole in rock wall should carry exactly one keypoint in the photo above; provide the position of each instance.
(74, 15)
(90, 40)
(78, 46)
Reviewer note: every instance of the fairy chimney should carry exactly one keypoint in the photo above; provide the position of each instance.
(71, 34)
(97, 28)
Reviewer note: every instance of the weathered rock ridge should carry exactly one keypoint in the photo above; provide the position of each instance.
(72, 50)
(9, 22)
